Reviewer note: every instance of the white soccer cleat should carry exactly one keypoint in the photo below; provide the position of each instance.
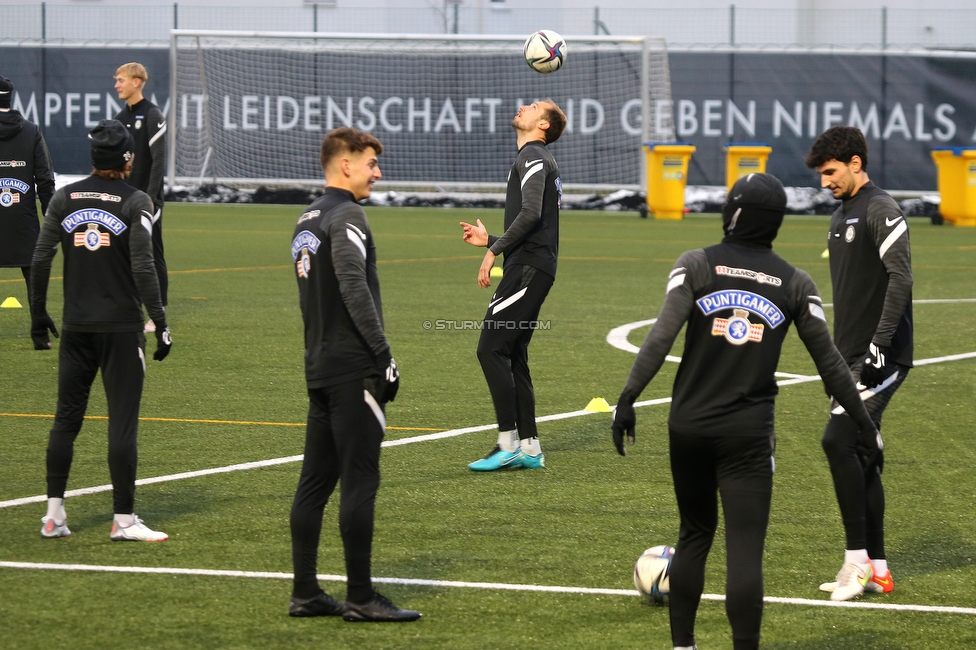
(136, 532)
(851, 581)
(52, 529)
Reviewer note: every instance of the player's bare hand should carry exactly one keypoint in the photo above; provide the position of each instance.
(484, 273)
(475, 235)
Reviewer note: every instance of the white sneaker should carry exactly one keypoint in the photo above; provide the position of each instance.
(150, 327)
(52, 529)
(136, 532)
(851, 580)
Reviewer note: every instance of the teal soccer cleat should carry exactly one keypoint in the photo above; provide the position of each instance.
(498, 459)
(533, 462)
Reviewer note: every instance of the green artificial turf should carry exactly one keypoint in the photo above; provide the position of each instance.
(232, 391)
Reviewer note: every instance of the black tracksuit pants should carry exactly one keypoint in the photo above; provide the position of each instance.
(511, 319)
(342, 442)
(159, 260)
(121, 358)
(859, 491)
(740, 469)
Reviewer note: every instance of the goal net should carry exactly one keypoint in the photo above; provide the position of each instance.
(254, 107)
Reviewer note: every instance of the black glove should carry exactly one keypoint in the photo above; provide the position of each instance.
(164, 342)
(389, 382)
(624, 421)
(40, 326)
(876, 365)
(870, 447)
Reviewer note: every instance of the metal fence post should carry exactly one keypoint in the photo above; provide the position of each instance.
(731, 24)
(176, 16)
(43, 21)
(884, 27)
(315, 17)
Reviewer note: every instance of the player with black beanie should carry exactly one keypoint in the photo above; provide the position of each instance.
(738, 299)
(103, 226)
(24, 164)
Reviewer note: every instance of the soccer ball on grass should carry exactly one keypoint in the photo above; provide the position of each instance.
(652, 574)
(545, 51)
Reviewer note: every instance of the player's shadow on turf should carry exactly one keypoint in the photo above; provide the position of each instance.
(931, 554)
(875, 639)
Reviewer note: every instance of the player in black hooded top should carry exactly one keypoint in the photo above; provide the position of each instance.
(24, 164)
(531, 246)
(147, 125)
(350, 375)
(103, 226)
(871, 272)
(738, 299)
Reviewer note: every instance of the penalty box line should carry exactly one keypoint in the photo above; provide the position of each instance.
(503, 586)
(40, 498)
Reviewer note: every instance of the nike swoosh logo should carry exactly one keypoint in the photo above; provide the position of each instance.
(884, 582)
(532, 162)
(891, 222)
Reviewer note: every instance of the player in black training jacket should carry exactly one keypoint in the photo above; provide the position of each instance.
(738, 299)
(871, 272)
(350, 374)
(24, 164)
(103, 225)
(147, 125)
(530, 245)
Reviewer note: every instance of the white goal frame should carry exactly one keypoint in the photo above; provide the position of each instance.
(649, 109)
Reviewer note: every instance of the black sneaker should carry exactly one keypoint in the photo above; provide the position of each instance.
(320, 605)
(378, 609)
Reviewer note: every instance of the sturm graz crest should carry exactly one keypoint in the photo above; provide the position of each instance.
(738, 329)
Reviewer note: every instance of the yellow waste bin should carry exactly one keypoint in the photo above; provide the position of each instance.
(667, 175)
(957, 184)
(744, 158)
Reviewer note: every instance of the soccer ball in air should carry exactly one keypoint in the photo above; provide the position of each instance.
(652, 574)
(545, 51)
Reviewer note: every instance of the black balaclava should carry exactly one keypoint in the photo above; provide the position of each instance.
(753, 211)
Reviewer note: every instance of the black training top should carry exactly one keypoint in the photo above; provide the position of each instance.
(148, 127)
(105, 231)
(738, 302)
(339, 291)
(531, 211)
(24, 163)
(871, 271)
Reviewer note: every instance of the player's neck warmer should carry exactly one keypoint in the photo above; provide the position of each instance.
(753, 211)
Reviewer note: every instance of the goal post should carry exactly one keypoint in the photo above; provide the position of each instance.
(253, 107)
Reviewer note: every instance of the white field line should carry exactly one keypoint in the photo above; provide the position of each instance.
(618, 339)
(618, 335)
(472, 585)
(40, 498)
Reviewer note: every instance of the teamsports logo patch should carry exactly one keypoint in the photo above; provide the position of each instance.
(97, 196)
(303, 244)
(311, 214)
(93, 238)
(738, 329)
(13, 163)
(738, 299)
(748, 274)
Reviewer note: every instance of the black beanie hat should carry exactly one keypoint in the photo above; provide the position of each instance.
(6, 92)
(753, 210)
(111, 145)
